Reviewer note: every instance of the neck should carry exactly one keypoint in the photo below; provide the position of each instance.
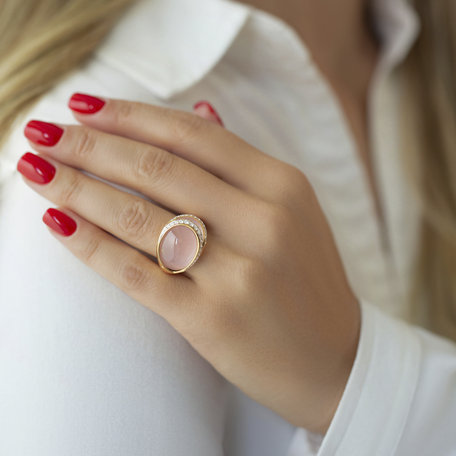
(336, 32)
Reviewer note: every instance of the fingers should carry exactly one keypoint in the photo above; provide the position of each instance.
(123, 266)
(206, 144)
(128, 217)
(171, 181)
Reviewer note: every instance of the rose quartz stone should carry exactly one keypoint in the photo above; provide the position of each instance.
(178, 247)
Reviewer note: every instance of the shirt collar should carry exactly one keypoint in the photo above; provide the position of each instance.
(169, 45)
(398, 26)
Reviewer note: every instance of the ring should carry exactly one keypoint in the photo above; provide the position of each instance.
(180, 243)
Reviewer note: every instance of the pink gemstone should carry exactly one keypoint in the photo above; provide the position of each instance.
(178, 247)
(195, 221)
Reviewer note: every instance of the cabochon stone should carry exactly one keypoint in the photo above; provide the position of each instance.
(178, 247)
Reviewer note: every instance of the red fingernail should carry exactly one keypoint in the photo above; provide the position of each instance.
(44, 133)
(211, 109)
(59, 222)
(35, 168)
(85, 104)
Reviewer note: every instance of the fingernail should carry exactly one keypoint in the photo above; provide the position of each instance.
(59, 222)
(44, 133)
(35, 168)
(211, 109)
(85, 104)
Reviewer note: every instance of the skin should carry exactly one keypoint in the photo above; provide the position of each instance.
(346, 50)
(267, 304)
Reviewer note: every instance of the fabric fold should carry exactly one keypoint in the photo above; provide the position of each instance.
(378, 395)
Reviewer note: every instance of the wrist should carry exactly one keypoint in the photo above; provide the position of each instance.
(341, 379)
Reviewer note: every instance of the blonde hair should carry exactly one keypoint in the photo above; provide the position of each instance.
(429, 150)
(41, 41)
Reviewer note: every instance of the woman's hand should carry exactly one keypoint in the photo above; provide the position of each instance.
(267, 303)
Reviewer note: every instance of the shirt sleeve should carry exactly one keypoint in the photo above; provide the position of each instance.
(400, 398)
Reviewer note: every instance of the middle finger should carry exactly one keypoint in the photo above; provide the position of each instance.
(172, 181)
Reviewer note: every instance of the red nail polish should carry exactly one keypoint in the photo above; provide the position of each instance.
(59, 222)
(35, 168)
(44, 133)
(85, 104)
(211, 109)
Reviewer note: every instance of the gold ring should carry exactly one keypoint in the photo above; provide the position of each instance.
(180, 243)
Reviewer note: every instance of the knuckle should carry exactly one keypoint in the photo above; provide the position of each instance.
(134, 219)
(85, 143)
(298, 181)
(296, 177)
(185, 126)
(123, 112)
(292, 184)
(72, 189)
(89, 253)
(155, 166)
(131, 275)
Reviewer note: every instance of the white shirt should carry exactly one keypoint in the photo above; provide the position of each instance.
(87, 370)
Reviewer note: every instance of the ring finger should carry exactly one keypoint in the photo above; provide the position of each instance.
(128, 217)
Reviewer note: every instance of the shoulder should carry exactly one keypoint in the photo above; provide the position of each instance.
(157, 50)
(97, 78)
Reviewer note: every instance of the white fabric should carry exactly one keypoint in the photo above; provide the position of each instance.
(84, 369)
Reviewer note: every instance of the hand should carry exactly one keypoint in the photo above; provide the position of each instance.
(267, 303)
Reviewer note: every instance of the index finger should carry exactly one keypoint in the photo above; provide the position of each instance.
(205, 143)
